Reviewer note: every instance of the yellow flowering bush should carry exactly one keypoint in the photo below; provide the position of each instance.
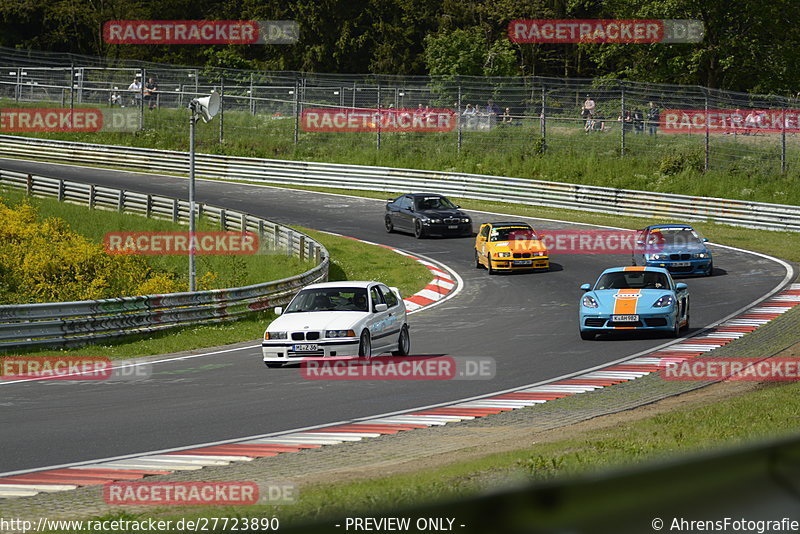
(45, 261)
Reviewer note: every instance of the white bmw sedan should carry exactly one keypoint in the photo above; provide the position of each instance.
(341, 319)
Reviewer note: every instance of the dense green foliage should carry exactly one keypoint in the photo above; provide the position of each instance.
(749, 45)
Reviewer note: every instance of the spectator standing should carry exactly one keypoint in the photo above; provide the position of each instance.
(653, 117)
(150, 89)
(136, 90)
(506, 118)
(638, 121)
(588, 108)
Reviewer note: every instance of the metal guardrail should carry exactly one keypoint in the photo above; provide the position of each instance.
(72, 322)
(607, 200)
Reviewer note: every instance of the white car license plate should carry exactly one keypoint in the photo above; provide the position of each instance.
(624, 318)
(681, 264)
(305, 347)
(452, 227)
(523, 262)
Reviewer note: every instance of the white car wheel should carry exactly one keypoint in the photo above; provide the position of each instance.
(403, 343)
(365, 345)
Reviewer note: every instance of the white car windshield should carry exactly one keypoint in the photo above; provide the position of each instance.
(329, 299)
(632, 280)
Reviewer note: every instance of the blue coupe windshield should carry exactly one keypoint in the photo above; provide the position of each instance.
(633, 280)
(673, 236)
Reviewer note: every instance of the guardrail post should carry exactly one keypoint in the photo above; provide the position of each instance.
(61, 190)
(200, 207)
(142, 73)
(458, 118)
(71, 88)
(290, 242)
(276, 237)
(708, 136)
(148, 207)
(543, 118)
(244, 222)
(296, 111)
(317, 254)
(91, 196)
(222, 108)
(175, 210)
(378, 139)
(783, 139)
(29, 185)
(121, 201)
(252, 96)
(223, 220)
(622, 121)
(302, 247)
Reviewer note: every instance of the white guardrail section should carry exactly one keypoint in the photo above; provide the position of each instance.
(61, 323)
(475, 186)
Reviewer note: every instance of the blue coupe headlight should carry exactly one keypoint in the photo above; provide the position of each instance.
(664, 301)
(702, 255)
(657, 257)
(589, 302)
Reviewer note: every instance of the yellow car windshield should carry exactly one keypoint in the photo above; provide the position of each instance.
(513, 234)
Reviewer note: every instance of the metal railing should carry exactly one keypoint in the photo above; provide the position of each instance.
(63, 323)
(545, 112)
(473, 186)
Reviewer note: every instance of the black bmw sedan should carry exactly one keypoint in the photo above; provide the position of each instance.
(425, 214)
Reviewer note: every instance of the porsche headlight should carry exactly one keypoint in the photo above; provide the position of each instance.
(503, 254)
(340, 333)
(664, 301)
(702, 255)
(275, 335)
(589, 301)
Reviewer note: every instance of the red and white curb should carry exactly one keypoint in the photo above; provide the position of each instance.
(224, 453)
(444, 285)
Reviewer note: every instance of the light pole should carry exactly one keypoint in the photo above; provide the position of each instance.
(206, 108)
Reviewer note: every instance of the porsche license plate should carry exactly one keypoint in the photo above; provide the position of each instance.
(305, 347)
(681, 264)
(624, 318)
(523, 262)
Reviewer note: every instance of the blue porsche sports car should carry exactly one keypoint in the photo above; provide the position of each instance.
(675, 247)
(634, 298)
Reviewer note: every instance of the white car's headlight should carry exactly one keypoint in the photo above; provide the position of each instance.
(340, 333)
(275, 335)
(664, 301)
(589, 301)
(503, 254)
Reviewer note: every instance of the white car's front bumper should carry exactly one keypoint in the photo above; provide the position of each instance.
(283, 351)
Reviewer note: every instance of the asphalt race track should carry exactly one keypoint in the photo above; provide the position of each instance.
(527, 322)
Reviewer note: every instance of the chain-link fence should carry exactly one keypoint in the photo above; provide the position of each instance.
(521, 115)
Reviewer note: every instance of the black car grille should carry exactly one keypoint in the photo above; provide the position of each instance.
(522, 254)
(305, 336)
(680, 269)
(596, 322)
(656, 321)
(676, 257)
(452, 220)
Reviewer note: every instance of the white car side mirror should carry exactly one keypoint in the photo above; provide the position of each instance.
(381, 307)
(278, 310)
